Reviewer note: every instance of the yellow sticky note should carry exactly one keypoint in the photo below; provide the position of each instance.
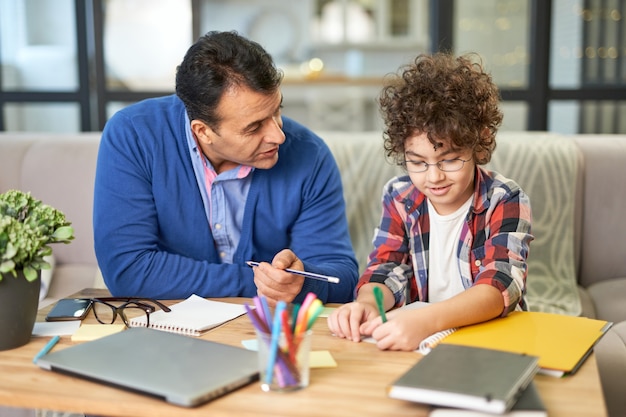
(321, 359)
(87, 332)
(317, 358)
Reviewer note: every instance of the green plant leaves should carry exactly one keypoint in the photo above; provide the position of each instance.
(27, 226)
(63, 233)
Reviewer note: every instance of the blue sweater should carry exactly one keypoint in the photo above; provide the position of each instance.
(152, 238)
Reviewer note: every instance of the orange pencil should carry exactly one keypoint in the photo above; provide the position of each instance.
(303, 314)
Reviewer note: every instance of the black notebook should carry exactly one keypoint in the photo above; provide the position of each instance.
(467, 377)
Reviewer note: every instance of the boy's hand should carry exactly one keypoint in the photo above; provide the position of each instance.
(346, 320)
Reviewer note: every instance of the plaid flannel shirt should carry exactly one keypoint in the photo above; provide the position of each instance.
(493, 246)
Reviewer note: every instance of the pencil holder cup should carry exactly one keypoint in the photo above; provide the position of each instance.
(284, 361)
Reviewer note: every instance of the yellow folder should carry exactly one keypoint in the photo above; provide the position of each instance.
(561, 342)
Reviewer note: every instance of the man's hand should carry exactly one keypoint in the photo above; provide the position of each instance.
(274, 283)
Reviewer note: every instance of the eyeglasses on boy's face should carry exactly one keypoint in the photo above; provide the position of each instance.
(106, 309)
(446, 165)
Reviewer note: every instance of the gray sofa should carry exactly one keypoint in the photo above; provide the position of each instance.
(576, 184)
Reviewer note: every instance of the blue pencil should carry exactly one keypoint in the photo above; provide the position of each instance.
(47, 348)
(273, 349)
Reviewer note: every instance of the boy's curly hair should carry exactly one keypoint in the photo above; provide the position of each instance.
(448, 98)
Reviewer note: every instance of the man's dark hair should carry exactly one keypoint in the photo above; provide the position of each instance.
(216, 62)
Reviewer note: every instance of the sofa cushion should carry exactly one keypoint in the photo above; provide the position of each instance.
(547, 167)
(610, 296)
(14, 147)
(60, 171)
(587, 304)
(603, 256)
(610, 354)
(364, 171)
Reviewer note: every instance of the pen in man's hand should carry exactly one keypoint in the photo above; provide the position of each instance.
(378, 295)
(47, 348)
(305, 274)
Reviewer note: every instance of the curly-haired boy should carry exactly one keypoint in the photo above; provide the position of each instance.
(452, 233)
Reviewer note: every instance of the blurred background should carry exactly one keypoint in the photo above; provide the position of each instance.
(68, 65)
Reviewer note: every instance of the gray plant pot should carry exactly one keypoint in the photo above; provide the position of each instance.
(19, 300)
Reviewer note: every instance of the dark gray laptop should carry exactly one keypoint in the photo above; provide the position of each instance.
(182, 370)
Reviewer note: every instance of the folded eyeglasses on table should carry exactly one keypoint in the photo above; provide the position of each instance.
(106, 309)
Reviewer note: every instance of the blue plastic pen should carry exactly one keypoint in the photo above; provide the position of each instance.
(47, 348)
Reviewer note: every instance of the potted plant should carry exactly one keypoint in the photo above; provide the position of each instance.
(27, 227)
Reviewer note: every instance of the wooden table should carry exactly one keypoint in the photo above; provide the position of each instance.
(356, 387)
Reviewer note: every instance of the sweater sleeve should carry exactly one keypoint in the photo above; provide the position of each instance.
(320, 236)
(151, 236)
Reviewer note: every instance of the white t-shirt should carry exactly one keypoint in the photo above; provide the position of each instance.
(444, 277)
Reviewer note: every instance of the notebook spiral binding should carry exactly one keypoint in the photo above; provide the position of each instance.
(433, 340)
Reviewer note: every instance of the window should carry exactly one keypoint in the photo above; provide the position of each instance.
(68, 65)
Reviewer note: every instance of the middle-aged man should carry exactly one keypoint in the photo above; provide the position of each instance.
(191, 186)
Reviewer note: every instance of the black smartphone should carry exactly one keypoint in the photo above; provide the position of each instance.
(69, 309)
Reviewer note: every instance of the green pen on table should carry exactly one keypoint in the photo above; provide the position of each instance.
(378, 294)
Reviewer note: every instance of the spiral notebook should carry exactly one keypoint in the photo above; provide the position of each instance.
(434, 339)
(192, 317)
(431, 341)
